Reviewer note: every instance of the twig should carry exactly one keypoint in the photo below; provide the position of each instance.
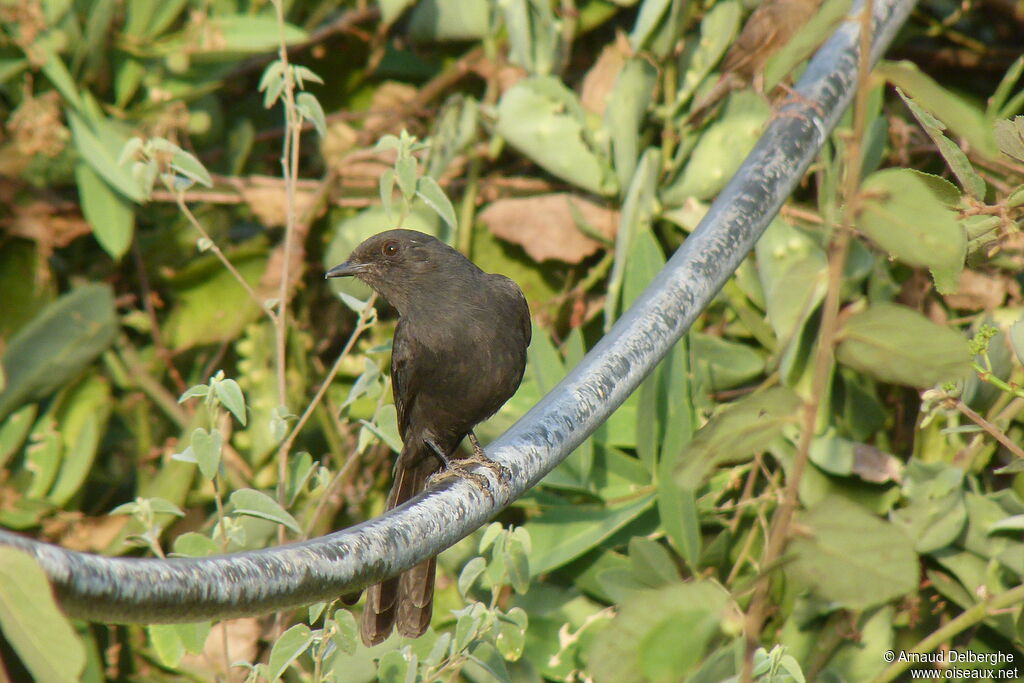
(994, 431)
(968, 618)
(362, 324)
(823, 361)
(180, 200)
(154, 324)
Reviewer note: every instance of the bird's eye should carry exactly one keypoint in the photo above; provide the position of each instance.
(389, 248)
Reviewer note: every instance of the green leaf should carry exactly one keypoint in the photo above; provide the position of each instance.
(936, 513)
(848, 556)
(193, 636)
(1016, 341)
(110, 215)
(532, 33)
(517, 560)
(448, 20)
(720, 150)
(385, 427)
(998, 107)
(305, 75)
(652, 15)
(677, 507)
(638, 211)
(962, 118)
(198, 390)
(164, 507)
(65, 337)
(230, 37)
(387, 190)
(83, 414)
(723, 364)
(561, 534)
(652, 563)
(272, 83)
(43, 456)
(511, 637)
(897, 345)
(431, 193)
(543, 119)
(467, 625)
(230, 396)
(33, 624)
(717, 32)
(1010, 137)
(470, 573)
(100, 149)
(258, 504)
(287, 649)
(211, 305)
(900, 213)
(206, 447)
(661, 634)
(58, 73)
(166, 643)
(346, 632)
(954, 156)
(626, 112)
(392, 9)
(309, 106)
(735, 434)
(300, 468)
(405, 173)
(14, 429)
(191, 544)
(190, 167)
(393, 667)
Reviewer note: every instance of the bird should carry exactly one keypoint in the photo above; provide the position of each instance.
(459, 353)
(769, 27)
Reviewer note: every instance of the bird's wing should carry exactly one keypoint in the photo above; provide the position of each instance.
(517, 304)
(402, 380)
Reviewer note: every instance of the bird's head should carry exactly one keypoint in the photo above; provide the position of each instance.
(399, 265)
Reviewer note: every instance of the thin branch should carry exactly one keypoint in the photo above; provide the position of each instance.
(993, 431)
(823, 362)
(223, 259)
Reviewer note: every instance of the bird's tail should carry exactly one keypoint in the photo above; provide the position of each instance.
(405, 601)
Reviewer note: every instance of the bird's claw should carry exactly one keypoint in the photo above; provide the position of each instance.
(461, 469)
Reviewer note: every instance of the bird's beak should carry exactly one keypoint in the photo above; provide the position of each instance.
(346, 269)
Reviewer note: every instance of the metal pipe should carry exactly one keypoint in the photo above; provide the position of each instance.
(115, 589)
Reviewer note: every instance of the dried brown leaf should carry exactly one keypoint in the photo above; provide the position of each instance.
(981, 292)
(387, 99)
(269, 203)
(545, 225)
(600, 80)
(242, 643)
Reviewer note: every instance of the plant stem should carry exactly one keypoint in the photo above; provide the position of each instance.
(180, 200)
(967, 619)
(823, 363)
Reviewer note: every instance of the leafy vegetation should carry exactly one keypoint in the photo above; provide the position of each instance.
(826, 468)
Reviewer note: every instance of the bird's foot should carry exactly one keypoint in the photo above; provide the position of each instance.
(503, 473)
(793, 98)
(456, 469)
(463, 468)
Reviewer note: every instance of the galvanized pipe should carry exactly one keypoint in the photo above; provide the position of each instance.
(135, 590)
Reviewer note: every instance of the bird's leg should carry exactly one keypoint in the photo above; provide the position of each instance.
(457, 468)
(480, 458)
(791, 96)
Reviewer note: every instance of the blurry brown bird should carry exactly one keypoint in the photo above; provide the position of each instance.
(459, 353)
(769, 27)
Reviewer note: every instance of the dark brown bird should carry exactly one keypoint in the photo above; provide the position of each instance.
(459, 353)
(770, 26)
